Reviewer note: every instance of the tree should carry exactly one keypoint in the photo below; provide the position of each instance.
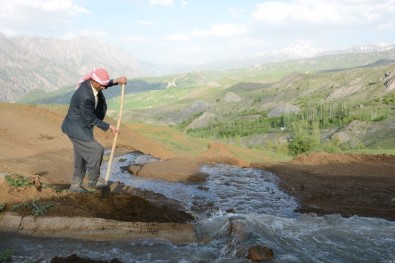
(306, 137)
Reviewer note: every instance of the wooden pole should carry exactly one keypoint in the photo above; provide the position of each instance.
(115, 136)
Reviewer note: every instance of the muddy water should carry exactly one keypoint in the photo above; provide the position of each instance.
(231, 197)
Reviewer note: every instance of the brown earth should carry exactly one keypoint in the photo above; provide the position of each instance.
(32, 145)
(347, 184)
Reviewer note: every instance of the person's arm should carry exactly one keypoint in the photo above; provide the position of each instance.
(116, 81)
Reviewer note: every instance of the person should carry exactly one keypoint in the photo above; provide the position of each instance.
(87, 109)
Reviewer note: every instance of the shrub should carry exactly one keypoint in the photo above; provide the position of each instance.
(37, 209)
(6, 255)
(300, 145)
(306, 137)
(17, 180)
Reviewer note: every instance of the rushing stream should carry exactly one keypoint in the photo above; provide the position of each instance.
(246, 197)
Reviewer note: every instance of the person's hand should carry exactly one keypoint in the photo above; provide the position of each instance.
(122, 80)
(114, 130)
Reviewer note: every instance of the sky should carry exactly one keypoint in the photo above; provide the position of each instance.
(200, 31)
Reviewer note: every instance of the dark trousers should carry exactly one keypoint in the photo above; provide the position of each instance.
(88, 156)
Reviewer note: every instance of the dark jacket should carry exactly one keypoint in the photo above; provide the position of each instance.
(82, 115)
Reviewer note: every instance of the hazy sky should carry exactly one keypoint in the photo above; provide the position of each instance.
(204, 30)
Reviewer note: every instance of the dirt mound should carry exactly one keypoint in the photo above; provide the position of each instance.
(220, 153)
(326, 158)
(202, 121)
(172, 170)
(347, 184)
(283, 108)
(31, 142)
(123, 204)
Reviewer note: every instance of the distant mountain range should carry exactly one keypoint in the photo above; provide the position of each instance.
(298, 51)
(35, 63)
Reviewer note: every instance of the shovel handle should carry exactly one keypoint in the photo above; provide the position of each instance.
(114, 142)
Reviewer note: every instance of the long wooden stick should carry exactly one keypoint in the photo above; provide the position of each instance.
(115, 136)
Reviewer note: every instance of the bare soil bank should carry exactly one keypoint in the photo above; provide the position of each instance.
(32, 144)
(346, 184)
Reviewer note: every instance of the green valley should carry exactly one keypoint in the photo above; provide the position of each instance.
(331, 103)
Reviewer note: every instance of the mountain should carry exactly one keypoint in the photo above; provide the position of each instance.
(362, 49)
(258, 76)
(35, 63)
(351, 96)
(296, 51)
(22, 71)
(299, 50)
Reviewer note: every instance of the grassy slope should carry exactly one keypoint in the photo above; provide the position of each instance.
(210, 85)
(181, 144)
(304, 90)
(186, 146)
(260, 88)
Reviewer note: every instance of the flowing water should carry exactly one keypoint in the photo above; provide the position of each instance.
(232, 198)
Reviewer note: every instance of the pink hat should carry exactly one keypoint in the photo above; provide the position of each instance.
(99, 75)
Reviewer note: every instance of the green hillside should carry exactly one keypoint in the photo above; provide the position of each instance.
(62, 96)
(333, 103)
(335, 106)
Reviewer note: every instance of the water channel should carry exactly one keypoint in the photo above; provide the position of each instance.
(248, 197)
